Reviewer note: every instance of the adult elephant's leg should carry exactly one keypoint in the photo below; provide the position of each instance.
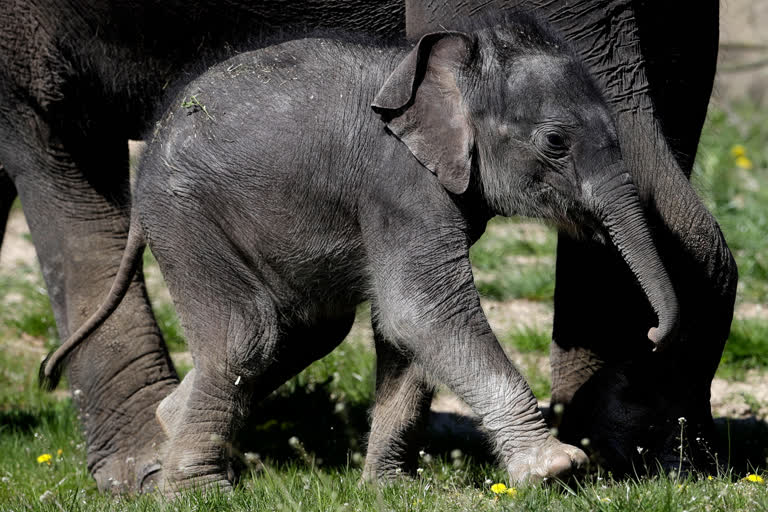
(680, 67)
(400, 412)
(7, 195)
(75, 195)
(689, 239)
(590, 278)
(681, 71)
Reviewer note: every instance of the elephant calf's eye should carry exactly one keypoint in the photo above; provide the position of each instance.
(555, 140)
(551, 142)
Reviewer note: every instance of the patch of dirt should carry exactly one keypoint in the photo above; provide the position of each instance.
(156, 287)
(445, 401)
(508, 315)
(183, 359)
(751, 310)
(17, 250)
(531, 260)
(741, 399)
(135, 150)
(536, 232)
(361, 332)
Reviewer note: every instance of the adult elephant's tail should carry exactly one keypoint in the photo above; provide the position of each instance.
(53, 364)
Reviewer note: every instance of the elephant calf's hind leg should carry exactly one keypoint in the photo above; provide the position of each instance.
(403, 397)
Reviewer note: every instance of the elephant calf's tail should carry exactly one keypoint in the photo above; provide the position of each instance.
(53, 364)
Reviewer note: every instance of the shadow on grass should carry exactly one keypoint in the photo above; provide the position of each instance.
(743, 443)
(335, 433)
(24, 421)
(25, 418)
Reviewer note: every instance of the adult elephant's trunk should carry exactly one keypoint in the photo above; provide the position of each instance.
(618, 206)
(696, 252)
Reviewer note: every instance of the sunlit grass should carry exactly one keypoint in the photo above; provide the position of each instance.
(747, 349)
(738, 196)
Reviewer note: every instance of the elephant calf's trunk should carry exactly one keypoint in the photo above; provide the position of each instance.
(622, 215)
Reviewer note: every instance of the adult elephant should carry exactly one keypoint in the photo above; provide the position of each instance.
(78, 78)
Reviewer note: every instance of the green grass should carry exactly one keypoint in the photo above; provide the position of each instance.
(738, 197)
(165, 314)
(528, 339)
(747, 349)
(26, 309)
(300, 485)
(515, 263)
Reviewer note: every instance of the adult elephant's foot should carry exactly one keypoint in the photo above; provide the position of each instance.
(126, 459)
(550, 459)
(635, 424)
(125, 441)
(135, 470)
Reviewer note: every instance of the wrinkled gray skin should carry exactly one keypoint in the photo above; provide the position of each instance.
(77, 78)
(283, 204)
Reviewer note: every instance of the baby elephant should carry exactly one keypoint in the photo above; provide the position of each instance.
(288, 185)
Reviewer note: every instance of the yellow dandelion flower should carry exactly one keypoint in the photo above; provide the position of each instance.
(738, 150)
(499, 488)
(754, 478)
(46, 457)
(743, 162)
(710, 477)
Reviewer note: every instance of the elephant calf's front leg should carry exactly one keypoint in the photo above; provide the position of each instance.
(444, 327)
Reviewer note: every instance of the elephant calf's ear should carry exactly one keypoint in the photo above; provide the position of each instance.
(422, 105)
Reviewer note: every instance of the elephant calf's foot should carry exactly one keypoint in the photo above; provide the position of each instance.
(551, 459)
(385, 471)
(180, 475)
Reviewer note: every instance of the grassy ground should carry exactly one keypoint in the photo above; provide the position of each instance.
(325, 407)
